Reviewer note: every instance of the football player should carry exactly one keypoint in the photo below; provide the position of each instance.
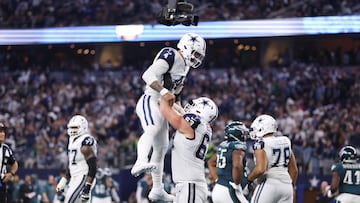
(191, 141)
(346, 177)
(228, 165)
(114, 185)
(81, 171)
(164, 78)
(101, 192)
(275, 165)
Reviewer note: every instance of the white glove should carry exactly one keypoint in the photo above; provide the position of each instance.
(179, 88)
(329, 193)
(236, 187)
(61, 185)
(246, 190)
(239, 192)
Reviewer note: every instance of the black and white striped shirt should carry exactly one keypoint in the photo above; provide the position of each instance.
(6, 157)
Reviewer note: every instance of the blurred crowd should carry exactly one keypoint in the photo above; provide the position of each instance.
(317, 107)
(52, 13)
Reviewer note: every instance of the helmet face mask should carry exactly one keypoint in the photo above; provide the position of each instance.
(203, 107)
(78, 125)
(236, 131)
(262, 125)
(193, 48)
(348, 154)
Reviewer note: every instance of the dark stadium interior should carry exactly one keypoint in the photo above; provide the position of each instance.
(310, 83)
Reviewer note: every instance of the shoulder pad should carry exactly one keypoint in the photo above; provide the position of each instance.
(168, 55)
(88, 141)
(336, 167)
(240, 146)
(259, 144)
(194, 120)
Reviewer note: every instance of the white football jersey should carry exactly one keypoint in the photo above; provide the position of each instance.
(168, 60)
(77, 162)
(278, 152)
(188, 155)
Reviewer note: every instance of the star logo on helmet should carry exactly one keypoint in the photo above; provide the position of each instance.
(193, 39)
(205, 103)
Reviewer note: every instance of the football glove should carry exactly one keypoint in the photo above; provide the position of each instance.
(85, 194)
(236, 187)
(249, 188)
(61, 185)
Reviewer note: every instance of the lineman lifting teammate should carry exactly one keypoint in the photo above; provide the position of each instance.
(191, 141)
(164, 78)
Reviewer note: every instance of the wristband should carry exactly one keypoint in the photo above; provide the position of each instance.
(164, 91)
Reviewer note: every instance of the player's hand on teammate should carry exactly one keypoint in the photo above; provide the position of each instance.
(169, 97)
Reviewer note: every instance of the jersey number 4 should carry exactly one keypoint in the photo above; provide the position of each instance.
(279, 153)
(348, 178)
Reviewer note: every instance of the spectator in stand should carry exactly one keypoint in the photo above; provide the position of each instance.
(321, 196)
(37, 14)
(27, 193)
(48, 190)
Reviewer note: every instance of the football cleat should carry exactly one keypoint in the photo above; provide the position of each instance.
(142, 167)
(160, 194)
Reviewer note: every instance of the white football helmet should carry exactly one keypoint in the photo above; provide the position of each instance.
(262, 125)
(193, 48)
(203, 107)
(78, 125)
(99, 173)
(107, 171)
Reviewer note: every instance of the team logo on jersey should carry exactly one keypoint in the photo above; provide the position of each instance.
(88, 141)
(259, 144)
(168, 53)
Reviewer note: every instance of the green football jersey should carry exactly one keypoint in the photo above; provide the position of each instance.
(100, 189)
(349, 176)
(224, 160)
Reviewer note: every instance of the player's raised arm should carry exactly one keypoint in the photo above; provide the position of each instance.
(175, 119)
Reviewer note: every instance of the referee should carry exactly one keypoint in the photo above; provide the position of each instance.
(9, 165)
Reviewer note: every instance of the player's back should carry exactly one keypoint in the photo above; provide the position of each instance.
(188, 155)
(224, 160)
(350, 177)
(278, 152)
